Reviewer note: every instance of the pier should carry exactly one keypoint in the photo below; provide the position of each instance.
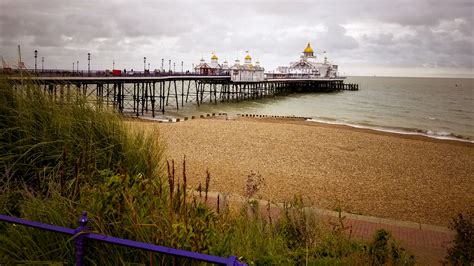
(153, 94)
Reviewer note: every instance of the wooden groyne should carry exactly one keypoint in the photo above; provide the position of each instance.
(154, 95)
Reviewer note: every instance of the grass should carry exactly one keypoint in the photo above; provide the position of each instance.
(60, 157)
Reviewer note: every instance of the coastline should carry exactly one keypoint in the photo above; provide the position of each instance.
(416, 135)
(363, 171)
(401, 131)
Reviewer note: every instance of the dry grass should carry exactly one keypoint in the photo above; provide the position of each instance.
(361, 171)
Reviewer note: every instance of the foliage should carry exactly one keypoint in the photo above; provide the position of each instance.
(462, 251)
(67, 139)
(383, 250)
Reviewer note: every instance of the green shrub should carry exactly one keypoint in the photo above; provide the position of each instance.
(384, 250)
(462, 251)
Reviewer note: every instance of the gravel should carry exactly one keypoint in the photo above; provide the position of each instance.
(366, 172)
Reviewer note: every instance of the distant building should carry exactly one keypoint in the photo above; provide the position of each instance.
(307, 67)
(246, 72)
(213, 68)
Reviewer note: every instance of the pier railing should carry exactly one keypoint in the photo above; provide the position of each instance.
(82, 233)
(101, 73)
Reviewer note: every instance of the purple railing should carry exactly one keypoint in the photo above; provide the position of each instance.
(81, 234)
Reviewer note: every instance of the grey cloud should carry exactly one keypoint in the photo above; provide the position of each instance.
(275, 31)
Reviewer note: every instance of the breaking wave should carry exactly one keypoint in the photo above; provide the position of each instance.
(444, 135)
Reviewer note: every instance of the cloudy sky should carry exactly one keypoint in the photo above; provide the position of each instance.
(365, 37)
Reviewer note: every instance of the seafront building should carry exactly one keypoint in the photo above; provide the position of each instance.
(213, 68)
(306, 67)
(246, 72)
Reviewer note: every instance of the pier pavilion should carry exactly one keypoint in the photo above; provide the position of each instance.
(307, 66)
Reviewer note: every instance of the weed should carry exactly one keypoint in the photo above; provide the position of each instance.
(462, 251)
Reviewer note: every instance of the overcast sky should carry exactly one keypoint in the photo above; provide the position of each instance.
(366, 37)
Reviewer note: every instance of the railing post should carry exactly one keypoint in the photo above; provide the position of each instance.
(232, 260)
(79, 240)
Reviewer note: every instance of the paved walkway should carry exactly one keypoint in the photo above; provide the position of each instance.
(428, 243)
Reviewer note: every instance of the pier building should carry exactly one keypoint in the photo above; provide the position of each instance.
(213, 68)
(247, 72)
(307, 66)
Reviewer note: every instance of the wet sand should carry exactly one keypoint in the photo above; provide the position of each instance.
(410, 178)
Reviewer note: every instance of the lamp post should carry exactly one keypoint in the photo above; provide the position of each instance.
(88, 63)
(162, 64)
(36, 56)
(193, 68)
(113, 65)
(42, 64)
(77, 66)
(73, 67)
(169, 65)
(182, 66)
(174, 66)
(144, 64)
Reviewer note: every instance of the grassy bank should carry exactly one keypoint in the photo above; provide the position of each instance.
(60, 157)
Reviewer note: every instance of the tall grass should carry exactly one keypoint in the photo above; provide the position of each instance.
(43, 139)
(61, 157)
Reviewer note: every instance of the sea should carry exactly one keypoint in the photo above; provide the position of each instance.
(435, 107)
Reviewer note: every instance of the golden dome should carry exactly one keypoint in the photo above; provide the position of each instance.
(248, 57)
(214, 57)
(308, 49)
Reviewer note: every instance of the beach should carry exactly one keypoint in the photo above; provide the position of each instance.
(361, 171)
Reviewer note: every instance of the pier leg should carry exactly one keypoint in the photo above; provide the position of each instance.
(168, 94)
(153, 101)
(187, 93)
(176, 94)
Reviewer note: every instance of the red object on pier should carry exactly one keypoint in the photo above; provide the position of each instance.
(116, 72)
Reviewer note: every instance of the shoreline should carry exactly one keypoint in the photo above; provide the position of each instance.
(386, 129)
(310, 121)
(402, 131)
(381, 131)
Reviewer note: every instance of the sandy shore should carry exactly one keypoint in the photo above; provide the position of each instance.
(362, 171)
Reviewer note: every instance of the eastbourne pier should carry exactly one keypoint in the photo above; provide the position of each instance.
(146, 94)
(154, 92)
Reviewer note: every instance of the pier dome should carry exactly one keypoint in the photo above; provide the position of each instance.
(214, 57)
(308, 51)
(248, 59)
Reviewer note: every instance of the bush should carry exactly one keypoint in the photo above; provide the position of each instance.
(384, 250)
(462, 252)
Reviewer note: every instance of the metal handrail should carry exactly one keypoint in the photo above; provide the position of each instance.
(82, 233)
